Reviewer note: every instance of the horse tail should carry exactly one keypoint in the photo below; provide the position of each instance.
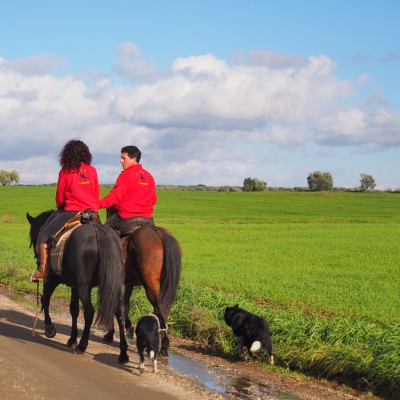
(171, 272)
(111, 270)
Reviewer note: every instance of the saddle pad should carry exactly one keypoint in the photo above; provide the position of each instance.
(56, 252)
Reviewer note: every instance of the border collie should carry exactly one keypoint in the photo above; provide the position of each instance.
(151, 332)
(251, 331)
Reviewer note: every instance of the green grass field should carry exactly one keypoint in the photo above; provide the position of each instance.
(322, 268)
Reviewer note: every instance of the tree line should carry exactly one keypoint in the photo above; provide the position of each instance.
(317, 181)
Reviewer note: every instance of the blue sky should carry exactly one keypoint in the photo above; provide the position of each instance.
(212, 92)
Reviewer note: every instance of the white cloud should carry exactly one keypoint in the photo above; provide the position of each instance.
(34, 65)
(269, 59)
(131, 65)
(194, 122)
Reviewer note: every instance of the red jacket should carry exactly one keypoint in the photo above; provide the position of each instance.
(78, 190)
(133, 195)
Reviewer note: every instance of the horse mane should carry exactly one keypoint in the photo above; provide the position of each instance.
(43, 217)
(37, 223)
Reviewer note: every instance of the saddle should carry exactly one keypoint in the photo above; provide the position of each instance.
(59, 239)
(132, 224)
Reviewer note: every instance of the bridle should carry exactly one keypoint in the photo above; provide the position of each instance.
(36, 253)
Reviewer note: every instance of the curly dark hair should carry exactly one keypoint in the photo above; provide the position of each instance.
(73, 154)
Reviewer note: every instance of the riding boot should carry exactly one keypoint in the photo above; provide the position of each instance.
(40, 274)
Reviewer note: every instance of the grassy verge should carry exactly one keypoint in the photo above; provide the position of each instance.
(322, 268)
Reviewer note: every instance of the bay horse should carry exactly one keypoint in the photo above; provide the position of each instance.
(92, 257)
(153, 259)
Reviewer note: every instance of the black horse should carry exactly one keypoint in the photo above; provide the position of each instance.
(92, 257)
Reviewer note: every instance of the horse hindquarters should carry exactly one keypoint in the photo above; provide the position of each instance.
(158, 257)
(95, 257)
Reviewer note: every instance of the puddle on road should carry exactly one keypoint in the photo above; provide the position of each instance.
(194, 369)
(244, 388)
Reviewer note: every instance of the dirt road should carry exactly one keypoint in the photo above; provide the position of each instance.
(35, 367)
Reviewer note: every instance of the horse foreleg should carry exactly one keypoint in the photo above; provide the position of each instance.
(48, 289)
(127, 303)
(74, 311)
(123, 345)
(88, 312)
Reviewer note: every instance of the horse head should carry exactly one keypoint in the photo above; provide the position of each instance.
(36, 223)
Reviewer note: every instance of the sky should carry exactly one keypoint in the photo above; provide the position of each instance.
(212, 92)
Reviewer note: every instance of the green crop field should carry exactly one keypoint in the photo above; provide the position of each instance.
(321, 267)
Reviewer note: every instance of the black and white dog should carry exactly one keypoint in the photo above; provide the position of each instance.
(151, 333)
(251, 331)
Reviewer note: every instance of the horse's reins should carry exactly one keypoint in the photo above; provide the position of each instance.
(36, 256)
(37, 307)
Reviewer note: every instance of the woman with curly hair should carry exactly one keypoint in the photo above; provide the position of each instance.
(77, 189)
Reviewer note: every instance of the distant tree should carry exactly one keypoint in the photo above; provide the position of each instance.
(7, 177)
(14, 176)
(248, 185)
(367, 182)
(318, 181)
(254, 185)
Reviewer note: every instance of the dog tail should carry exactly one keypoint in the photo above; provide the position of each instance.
(255, 346)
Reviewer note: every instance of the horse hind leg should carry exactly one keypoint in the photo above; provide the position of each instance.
(109, 336)
(74, 311)
(153, 297)
(127, 302)
(123, 355)
(88, 312)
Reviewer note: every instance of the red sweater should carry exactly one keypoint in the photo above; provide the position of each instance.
(78, 190)
(133, 195)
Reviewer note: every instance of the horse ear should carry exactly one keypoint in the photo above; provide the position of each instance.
(29, 218)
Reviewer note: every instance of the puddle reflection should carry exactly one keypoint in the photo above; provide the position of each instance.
(187, 366)
(241, 387)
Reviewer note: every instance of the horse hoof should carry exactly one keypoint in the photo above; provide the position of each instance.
(72, 343)
(141, 371)
(79, 350)
(50, 331)
(123, 358)
(163, 353)
(108, 338)
(130, 333)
